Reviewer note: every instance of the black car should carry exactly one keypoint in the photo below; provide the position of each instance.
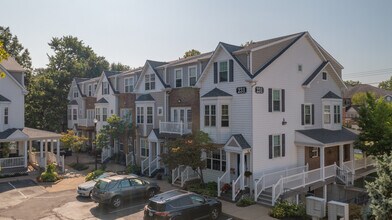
(181, 205)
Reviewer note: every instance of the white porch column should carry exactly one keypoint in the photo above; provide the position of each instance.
(25, 153)
(52, 146)
(149, 152)
(352, 158)
(322, 159)
(41, 152)
(341, 156)
(30, 146)
(46, 152)
(242, 167)
(158, 154)
(228, 167)
(58, 149)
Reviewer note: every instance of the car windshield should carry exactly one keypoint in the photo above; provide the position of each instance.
(101, 184)
(156, 206)
(101, 177)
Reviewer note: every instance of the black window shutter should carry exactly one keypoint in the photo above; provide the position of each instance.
(231, 71)
(215, 72)
(312, 114)
(270, 147)
(302, 114)
(283, 101)
(270, 100)
(283, 145)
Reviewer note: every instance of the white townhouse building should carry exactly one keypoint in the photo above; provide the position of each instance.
(273, 108)
(16, 140)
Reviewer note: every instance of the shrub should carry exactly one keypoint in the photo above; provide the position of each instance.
(203, 189)
(284, 209)
(79, 166)
(50, 175)
(94, 174)
(134, 169)
(245, 201)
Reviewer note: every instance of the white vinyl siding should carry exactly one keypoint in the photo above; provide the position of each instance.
(192, 75)
(223, 71)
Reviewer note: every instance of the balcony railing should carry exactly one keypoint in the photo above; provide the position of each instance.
(86, 122)
(175, 127)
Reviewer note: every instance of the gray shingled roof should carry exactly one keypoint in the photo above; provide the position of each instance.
(315, 73)
(73, 102)
(165, 135)
(5, 134)
(241, 141)
(111, 73)
(326, 136)
(4, 99)
(11, 64)
(365, 88)
(216, 93)
(145, 97)
(155, 64)
(102, 100)
(331, 95)
(187, 60)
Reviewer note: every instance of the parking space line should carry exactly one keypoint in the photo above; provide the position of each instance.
(17, 190)
(119, 210)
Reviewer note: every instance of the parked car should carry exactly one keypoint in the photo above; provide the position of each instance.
(85, 189)
(115, 189)
(182, 205)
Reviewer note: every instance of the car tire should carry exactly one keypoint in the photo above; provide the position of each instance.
(151, 193)
(90, 194)
(214, 213)
(116, 202)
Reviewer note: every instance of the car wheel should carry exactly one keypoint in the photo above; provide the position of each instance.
(151, 193)
(116, 202)
(90, 194)
(214, 213)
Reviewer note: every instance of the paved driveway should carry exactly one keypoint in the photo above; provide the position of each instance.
(18, 191)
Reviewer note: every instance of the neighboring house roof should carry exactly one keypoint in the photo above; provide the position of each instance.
(231, 48)
(11, 64)
(79, 80)
(165, 135)
(216, 93)
(363, 88)
(315, 73)
(39, 134)
(188, 60)
(73, 102)
(145, 97)
(241, 141)
(331, 95)
(102, 100)
(326, 136)
(109, 74)
(4, 99)
(5, 134)
(155, 64)
(355, 107)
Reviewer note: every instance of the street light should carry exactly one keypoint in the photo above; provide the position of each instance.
(95, 145)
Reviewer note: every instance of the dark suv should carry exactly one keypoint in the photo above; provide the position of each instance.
(181, 205)
(115, 189)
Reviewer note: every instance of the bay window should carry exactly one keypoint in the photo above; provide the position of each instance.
(327, 114)
(225, 116)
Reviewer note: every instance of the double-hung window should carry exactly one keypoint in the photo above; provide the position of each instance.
(105, 87)
(149, 83)
(327, 114)
(210, 115)
(128, 84)
(336, 113)
(223, 71)
(216, 160)
(143, 148)
(140, 115)
(98, 114)
(192, 75)
(225, 116)
(75, 92)
(150, 115)
(126, 114)
(90, 90)
(178, 75)
(104, 114)
(75, 114)
(325, 75)
(277, 146)
(6, 115)
(307, 114)
(276, 100)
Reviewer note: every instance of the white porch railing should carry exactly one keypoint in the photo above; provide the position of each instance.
(153, 166)
(11, 162)
(221, 181)
(144, 165)
(268, 179)
(175, 127)
(86, 122)
(129, 159)
(188, 174)
(236, 187)
(176, 173)
(301, 180)
(105, 154)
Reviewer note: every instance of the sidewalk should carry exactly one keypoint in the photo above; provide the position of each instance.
(252, 212)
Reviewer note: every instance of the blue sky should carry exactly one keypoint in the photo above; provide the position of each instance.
(357, 33)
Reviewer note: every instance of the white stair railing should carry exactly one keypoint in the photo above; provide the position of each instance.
(188, 174)
(144, 165)
(221, 182)
(153, 166)
(129, 158)
(236, 187)
(105, 154)
(176, 173)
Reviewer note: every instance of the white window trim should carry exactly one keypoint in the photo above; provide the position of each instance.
(6, 115)
(127, 79)
(310, 114)
(141, 114)
(152, 114)
(149, 81)
(189, 74)
(314, 152)
(221, 114)
(209, 156)
(227, 63)
(75, 92)
(210, 116)
(185, 109)
(105, 85)
(330, 119)
(339, 107)
(326, 76)
(160, 111)
(175, 78)
(273, 145)
(280, 100)
(145, 147)
(90, 90)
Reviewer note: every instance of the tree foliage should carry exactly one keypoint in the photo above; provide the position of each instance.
(71, 141)
(375, 120)
(191, 53)
(119, 67)
(15, 49)
(380, 191)
(351, 82)
(188, 151)
(360, 98)
(387, 84)
(3, 54)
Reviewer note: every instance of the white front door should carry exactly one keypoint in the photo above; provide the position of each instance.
(183, 114)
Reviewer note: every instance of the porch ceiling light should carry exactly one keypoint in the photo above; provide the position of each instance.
(284, 122)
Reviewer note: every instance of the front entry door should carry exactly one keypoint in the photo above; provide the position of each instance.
(238, 165)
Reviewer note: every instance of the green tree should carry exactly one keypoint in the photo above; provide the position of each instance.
(3, 54)
(387, 84)
(380, 191)
(187, 151)
(351, 82)
(71, 141)
(15, 49)
(375, 120)
(360, 98)
(119, 67)
(191, 53)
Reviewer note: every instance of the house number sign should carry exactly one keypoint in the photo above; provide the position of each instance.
(259, 90)
(241, 90)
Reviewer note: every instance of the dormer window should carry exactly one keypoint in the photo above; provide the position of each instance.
(75, 92)
(105, 88)
(6, 115)
(178, 78)
(223, 71)
(128, 84)
(192, 75)
(324, 75)
(149, 83)
(90, 90)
